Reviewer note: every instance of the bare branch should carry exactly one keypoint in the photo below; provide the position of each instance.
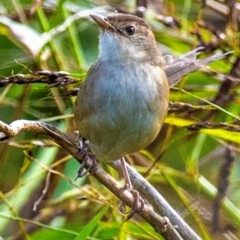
(161, 224)
(207, 125)
(53, 79)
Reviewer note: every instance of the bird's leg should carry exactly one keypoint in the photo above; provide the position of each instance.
(85, 155)
(138, 202)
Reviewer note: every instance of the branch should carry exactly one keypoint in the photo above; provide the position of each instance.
(53, 79)
(161, 224)
(207, 125)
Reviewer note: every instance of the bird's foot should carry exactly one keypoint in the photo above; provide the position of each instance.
(86, 155)
(138, 203)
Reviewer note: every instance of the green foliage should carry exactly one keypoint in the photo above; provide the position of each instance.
(86, 231)
(187, 162)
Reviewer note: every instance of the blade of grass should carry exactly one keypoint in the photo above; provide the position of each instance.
(38, 224)
(84, 234)
(210, 103)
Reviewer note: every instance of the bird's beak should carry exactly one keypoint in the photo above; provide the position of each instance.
(102, 22)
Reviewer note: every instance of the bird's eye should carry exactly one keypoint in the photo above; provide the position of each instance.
(130, 30)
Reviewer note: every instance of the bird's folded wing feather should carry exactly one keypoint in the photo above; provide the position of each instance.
(181, 66)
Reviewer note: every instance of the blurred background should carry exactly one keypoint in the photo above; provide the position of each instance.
(194, 162)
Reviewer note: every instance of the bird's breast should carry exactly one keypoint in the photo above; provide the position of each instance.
(122, 107)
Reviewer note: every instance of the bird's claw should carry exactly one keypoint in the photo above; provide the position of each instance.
(84, 153)
(138, 203)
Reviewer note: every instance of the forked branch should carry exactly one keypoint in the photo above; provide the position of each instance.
(163, 225)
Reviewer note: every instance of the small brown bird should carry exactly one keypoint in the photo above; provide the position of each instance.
(121, 106)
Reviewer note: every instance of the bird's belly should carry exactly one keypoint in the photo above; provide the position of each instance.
(122, 111)
(126, 124)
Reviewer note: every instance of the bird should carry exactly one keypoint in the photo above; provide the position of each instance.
(121, 106)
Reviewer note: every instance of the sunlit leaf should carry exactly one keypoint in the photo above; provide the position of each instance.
(22, 35)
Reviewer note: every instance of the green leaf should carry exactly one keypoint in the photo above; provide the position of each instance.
(224, 134)
(22, 35)
(220, 133)
(91, 225)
